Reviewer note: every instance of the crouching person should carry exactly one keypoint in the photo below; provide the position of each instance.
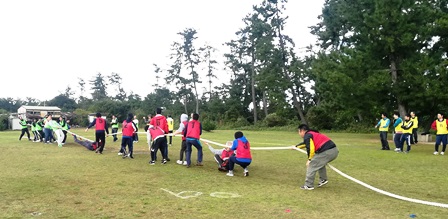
(321, 150)
(222, 156)
(242, 157)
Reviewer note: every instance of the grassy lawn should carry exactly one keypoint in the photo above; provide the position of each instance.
(44, 181)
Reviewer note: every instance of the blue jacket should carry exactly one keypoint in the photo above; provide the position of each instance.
(235, 147)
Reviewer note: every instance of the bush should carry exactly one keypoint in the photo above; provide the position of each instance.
(3, 122)
(274, 120)
(208, 125)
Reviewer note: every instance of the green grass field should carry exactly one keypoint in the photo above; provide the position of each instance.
(44, 181)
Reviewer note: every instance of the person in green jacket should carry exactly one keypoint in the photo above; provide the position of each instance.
(24, 125)
(64, 125)
(114, 126)
(39, 129)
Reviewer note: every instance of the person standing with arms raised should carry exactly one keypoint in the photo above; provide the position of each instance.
(100, 133)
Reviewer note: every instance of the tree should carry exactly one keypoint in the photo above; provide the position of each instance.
(391, 31)
(208, 51)
(99, 87)
(116, 81)
(191, 58)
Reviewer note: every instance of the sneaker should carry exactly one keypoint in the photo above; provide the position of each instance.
(442, 153)
(306, 188)
(199, 164)
(397, 149)
(163, 161)
(120, 154)
(168, 159)
(322, 183)
(229, 174)
(222, 169)
(246, 172)
(152, 162)
(185, 163)
(435, 153)
(179, 162)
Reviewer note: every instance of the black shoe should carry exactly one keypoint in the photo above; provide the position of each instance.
(168, 159)
(163, 161)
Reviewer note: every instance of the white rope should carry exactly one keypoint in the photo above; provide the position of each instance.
(436, 204)
(81, 137)
(252, 148)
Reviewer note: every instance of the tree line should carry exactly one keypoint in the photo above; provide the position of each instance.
(372, 56)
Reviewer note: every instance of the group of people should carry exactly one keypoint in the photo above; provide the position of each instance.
(46, 130)
(320, 149)
(160, 128)
(405, 131)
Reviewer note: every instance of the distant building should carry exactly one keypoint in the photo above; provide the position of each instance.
(30, 113)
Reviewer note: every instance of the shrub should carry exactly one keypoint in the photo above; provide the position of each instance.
(208, 125)
(3, 122)
(274, 120)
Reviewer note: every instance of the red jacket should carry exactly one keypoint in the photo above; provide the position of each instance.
(160, 121)
(128, 129)
(194, 129)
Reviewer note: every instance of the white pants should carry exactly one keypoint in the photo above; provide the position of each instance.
(59, 136)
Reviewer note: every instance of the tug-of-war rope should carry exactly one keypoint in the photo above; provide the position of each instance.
(418, 201)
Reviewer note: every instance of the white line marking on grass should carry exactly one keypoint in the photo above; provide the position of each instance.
(436, 204)
(181, 194)
(224, 195)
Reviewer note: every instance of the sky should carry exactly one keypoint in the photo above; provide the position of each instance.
(47, 45)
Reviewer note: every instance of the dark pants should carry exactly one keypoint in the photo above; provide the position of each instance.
(406, 138)
(36, 135)
(166, 149)
(441, 139)
(397, 141)
(127, 140)
(65, 135)
(197, 144)
(100, 136)
(159, 143)
(384, 143)
(233, 161)
(114, 132)
(414, 138)
(171, 137)
(183, 148)
(135, 137)
(25, 130)
(42, 135)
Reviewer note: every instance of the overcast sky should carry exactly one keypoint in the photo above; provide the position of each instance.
(46, 45)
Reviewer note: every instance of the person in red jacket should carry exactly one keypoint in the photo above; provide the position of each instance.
(100, 133)
(159, 129)
(193, 132)
(222, 156)
(128, 130)
(321, 150)
(243, 156)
